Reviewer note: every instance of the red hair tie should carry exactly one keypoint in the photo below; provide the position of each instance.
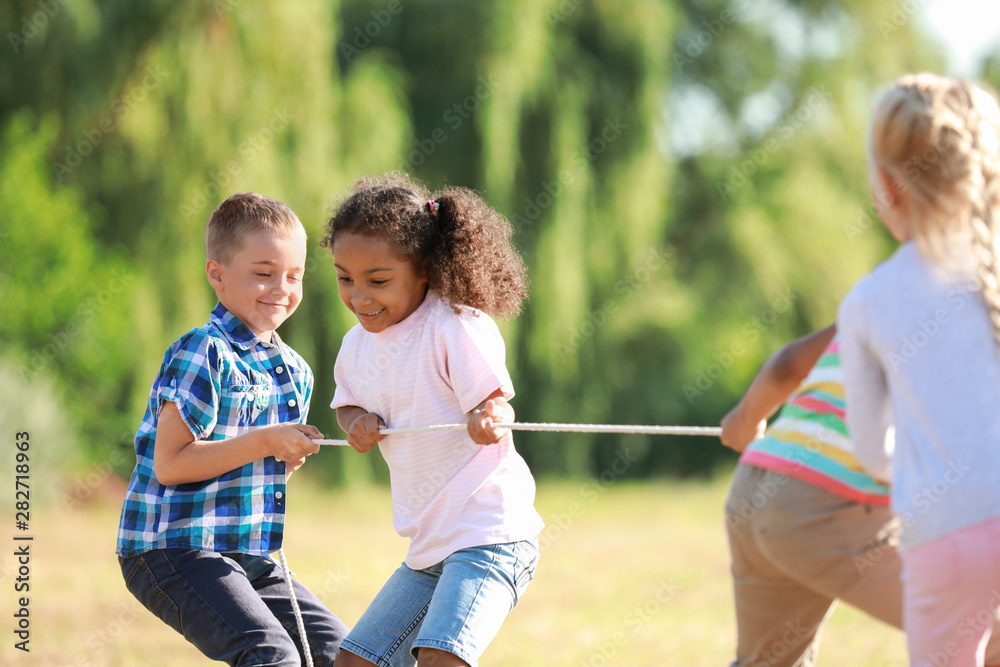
(433, 205)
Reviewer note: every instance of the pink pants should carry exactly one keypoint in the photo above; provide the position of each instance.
(951, 595)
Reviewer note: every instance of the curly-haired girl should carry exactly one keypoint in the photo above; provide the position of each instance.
(423, 274)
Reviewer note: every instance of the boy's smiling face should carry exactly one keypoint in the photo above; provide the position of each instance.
(375, 284)
(262, 283)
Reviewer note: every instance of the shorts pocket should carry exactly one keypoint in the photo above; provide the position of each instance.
(524, 569)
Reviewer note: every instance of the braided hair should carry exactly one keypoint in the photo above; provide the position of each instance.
(939, 139)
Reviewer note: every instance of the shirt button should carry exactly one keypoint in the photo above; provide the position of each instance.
(279, 370)
(279, 498)
(291, 403)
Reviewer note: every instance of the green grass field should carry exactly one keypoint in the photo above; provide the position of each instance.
(630, 575)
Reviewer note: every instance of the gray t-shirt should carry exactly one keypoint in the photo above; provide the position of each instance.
(918, 354)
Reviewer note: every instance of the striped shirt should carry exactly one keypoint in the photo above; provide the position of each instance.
(809, 439)
(434, 367)
(225, 381)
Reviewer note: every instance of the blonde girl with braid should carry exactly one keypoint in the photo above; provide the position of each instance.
(920, 348)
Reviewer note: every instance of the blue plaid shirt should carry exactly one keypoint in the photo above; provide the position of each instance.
(224, 381)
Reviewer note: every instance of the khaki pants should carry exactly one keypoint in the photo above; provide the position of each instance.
(796, 550)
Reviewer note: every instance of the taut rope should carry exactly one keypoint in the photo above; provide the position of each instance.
(516, 426)
(561, 428)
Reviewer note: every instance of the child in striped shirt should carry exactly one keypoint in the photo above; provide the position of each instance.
(807, 524)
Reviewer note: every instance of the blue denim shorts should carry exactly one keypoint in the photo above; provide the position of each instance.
(456, 606)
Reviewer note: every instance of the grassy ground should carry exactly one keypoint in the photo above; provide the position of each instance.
(629, 575)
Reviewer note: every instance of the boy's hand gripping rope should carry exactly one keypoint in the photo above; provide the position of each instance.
(562, 428)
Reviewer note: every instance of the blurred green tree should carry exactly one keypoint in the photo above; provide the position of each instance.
(687, 181)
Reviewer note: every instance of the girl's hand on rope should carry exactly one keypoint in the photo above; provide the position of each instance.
(738, 432)
(483, 420)
(363, 432)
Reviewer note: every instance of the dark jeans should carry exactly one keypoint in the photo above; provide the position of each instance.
(233, 607)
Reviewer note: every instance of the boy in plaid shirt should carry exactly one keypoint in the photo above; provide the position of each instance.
(224, 428)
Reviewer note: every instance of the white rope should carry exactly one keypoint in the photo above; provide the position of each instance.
(295, 607)
(561, 428)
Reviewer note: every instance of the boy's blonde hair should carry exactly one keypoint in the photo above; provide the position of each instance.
(939, 139)
(239, 216)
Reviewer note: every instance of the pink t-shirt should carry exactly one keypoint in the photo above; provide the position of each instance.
(434, 367)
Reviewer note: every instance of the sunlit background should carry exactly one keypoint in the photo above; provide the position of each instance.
(687, 181)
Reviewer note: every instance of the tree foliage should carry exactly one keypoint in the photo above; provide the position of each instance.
(687, 181)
